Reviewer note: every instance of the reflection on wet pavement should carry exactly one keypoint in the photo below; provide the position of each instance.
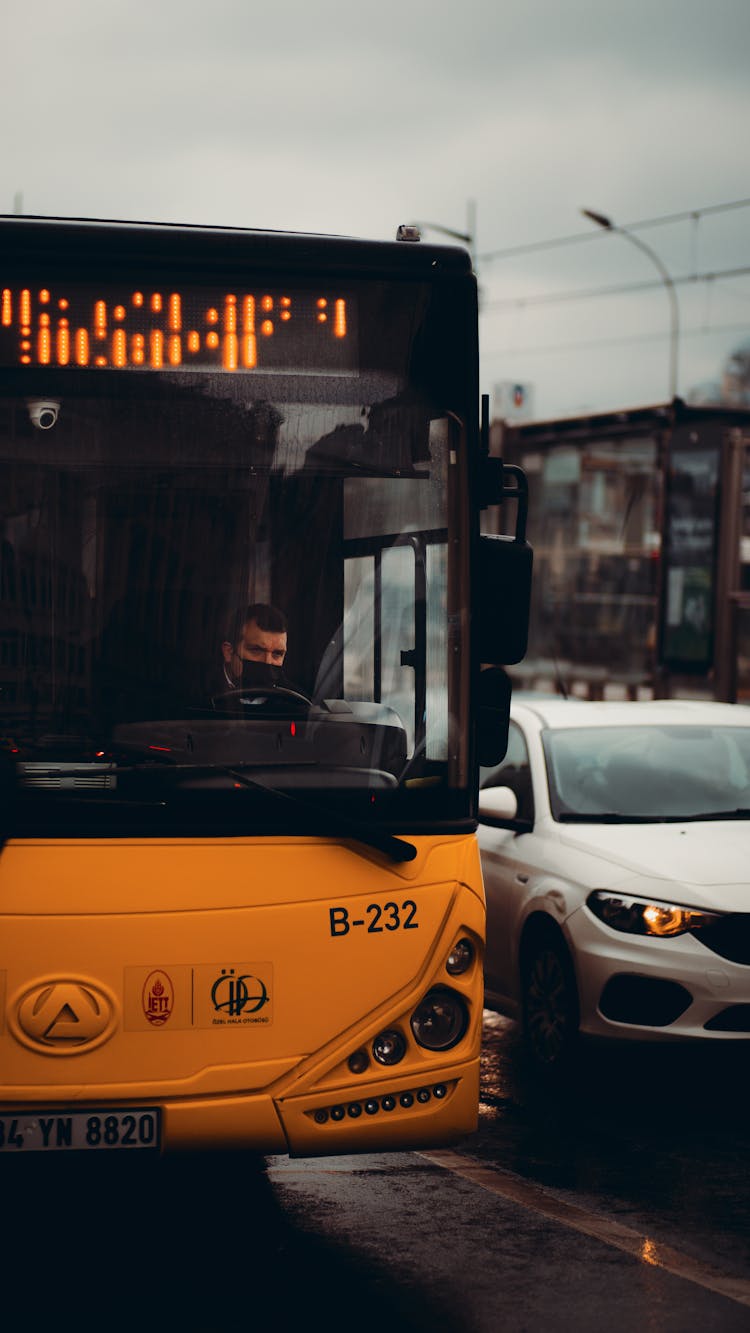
(644, 1131)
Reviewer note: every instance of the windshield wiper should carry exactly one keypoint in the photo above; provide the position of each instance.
(613, 817)
(610, 817)
(396, 848)
(706, 816)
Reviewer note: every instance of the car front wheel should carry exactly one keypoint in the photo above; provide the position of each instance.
(549, 1002)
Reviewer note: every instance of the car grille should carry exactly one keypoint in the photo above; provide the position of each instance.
(644, 1001)
(735, 1018)
(729, 937)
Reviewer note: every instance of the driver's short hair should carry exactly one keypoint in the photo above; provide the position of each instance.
(267, 617)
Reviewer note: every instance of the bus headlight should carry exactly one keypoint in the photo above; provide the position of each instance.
(460, 958)
(440, 1021)
(389, 1046)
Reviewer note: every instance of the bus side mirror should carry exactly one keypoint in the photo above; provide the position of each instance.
(504, 598)
(493, 716)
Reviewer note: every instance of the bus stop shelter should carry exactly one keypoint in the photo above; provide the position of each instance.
(640, 524)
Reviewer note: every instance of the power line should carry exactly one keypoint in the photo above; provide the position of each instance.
(590, 293)
(626, 339)
(578, 238)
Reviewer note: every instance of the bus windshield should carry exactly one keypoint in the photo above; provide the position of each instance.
(151, 496)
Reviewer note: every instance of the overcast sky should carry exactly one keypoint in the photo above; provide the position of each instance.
(352, 118)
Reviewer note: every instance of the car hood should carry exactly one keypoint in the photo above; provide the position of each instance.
(709, 861)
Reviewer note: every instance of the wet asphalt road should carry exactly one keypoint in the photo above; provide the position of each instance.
(620, 1203)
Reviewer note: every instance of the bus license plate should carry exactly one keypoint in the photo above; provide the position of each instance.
(56, 1131)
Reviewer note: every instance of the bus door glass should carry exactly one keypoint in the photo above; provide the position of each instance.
(395, 628)
(379, 618)
(395, 640)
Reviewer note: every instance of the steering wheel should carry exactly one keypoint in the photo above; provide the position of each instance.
(269, 693)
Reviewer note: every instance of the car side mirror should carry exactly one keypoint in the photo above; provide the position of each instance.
(498, 803)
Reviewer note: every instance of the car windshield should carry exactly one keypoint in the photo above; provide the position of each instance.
(652, 772)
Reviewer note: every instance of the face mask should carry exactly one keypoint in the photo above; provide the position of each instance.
(259, 675)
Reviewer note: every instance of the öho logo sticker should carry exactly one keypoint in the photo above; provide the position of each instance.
(235, 995)
(158, 998)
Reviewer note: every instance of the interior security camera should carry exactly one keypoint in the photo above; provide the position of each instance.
(43, 413)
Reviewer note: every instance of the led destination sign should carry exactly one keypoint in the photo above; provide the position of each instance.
(199, 329)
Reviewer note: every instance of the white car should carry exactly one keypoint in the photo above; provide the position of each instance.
(615, 842)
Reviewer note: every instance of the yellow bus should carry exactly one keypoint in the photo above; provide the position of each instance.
(245, 614)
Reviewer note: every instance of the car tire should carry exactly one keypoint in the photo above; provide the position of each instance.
(549, 1003)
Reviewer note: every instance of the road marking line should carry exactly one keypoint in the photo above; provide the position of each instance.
(536, 1197)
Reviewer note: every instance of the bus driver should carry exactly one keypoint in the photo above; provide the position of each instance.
(253, 654)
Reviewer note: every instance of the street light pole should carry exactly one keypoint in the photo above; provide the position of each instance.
(608, 225)
(468, 237)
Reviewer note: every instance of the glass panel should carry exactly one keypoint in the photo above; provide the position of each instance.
(516, 759)
(744, 553)
(437, 653)
(513, 772)
(594, 526)
(359, 621)
(227, 559)
(690, 554)
(397, 681)
(742, 623)
(138, 529)
(653, 772)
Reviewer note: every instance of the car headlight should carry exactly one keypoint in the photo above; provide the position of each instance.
(642, 916)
